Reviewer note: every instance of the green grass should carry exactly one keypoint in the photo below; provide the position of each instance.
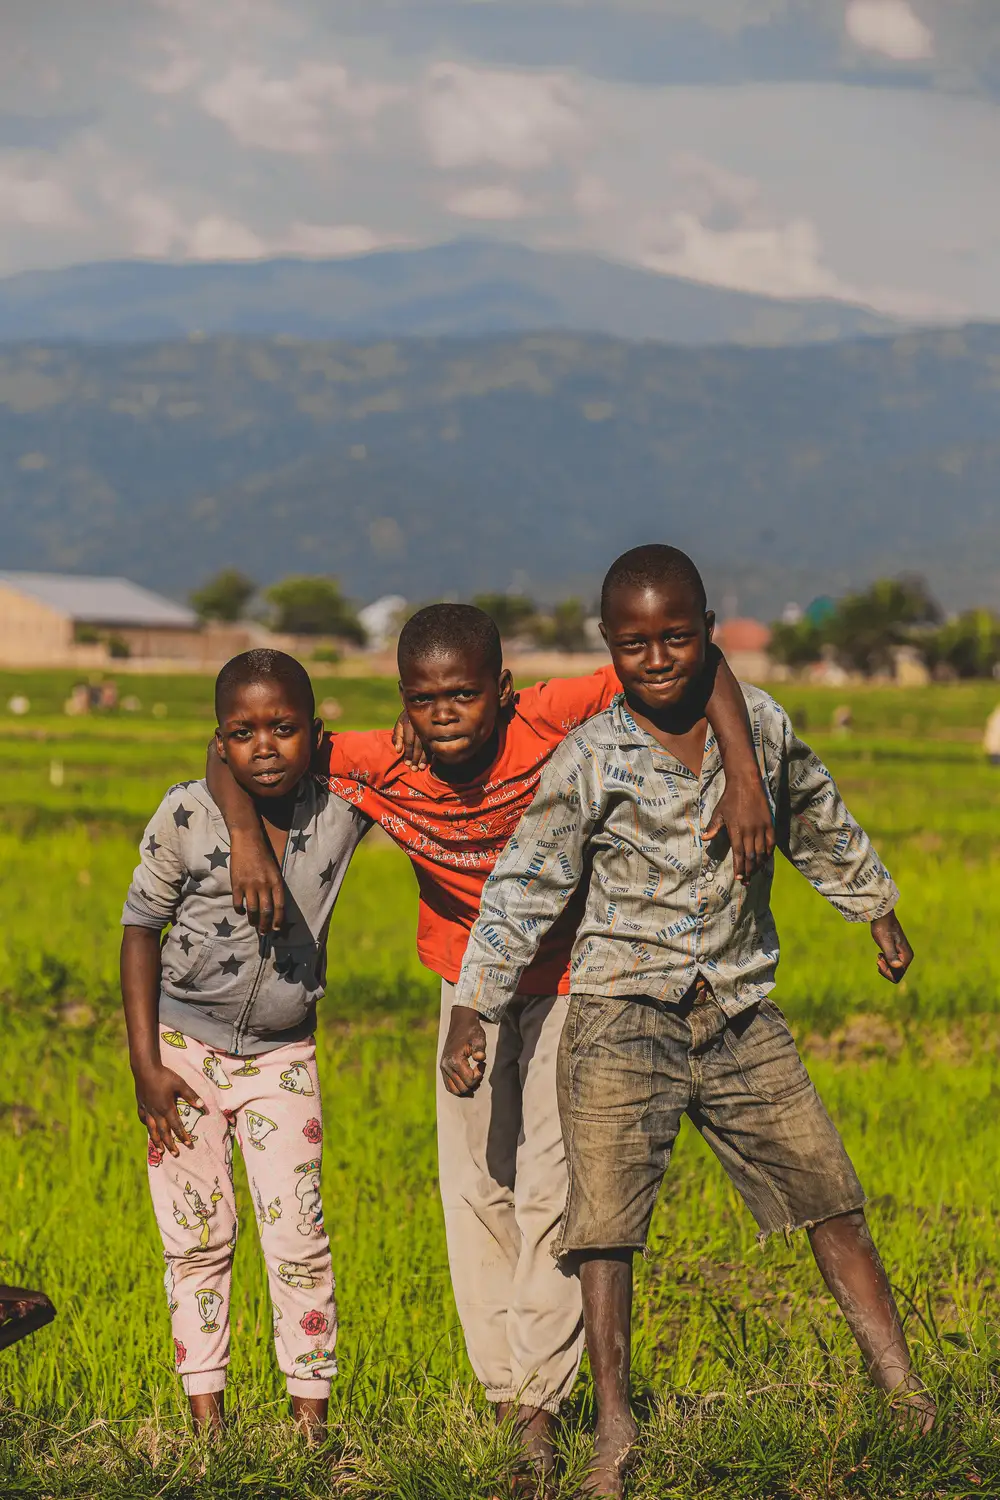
(749, 1383)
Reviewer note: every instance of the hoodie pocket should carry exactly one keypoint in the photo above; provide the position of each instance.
(189, 977)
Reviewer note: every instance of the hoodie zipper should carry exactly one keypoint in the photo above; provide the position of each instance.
(265, 944)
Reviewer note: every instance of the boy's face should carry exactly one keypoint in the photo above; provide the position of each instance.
(267, 738)
(658, 639)
(453, 701)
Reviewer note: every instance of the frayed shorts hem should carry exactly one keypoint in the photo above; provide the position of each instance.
(523, 1397)
(787, 1230)
(594, 1247)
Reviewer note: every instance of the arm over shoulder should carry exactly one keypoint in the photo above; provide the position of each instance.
(535, 876)
(363, 755)
(562, 703)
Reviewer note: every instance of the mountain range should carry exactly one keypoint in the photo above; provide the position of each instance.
(441, 467)
(465, 288)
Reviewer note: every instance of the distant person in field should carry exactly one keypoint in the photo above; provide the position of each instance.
(991, 737)
(671, 970)
(220, 1030)
(501, 1159)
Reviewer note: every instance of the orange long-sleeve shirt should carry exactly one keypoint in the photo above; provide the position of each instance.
(455, 834)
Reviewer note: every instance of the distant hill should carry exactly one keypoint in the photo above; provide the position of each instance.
(439, 467)
(466, 288)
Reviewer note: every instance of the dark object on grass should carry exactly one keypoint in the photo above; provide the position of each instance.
(22, 1312)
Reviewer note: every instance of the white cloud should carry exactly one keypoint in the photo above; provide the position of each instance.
(333, 240)
(35, 201)
(216, 237)
(516, 120)
(489, 202)
(781, 260)
(299, 114)
(889, 27)
(178, 72)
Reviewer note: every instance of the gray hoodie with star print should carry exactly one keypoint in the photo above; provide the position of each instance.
(222, 982)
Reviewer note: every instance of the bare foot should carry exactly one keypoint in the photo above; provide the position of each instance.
(915, 1412)
(536, 1438)
(613, 1445)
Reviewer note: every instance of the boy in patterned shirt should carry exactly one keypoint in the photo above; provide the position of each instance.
(501, 1158)
(671, 969)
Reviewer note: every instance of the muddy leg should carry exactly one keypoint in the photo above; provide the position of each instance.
(606, 1281)
(852, 1269)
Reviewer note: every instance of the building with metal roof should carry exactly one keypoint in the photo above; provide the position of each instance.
(50, 618)
(108, 602)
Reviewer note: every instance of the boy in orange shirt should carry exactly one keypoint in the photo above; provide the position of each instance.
(501, 1159)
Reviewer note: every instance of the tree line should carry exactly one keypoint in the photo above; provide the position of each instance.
(861, 631)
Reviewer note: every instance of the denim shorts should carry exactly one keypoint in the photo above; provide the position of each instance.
(630, 1066)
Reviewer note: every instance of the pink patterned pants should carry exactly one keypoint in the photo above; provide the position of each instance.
(271, 1105)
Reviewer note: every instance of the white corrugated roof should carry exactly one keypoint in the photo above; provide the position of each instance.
(100, 601)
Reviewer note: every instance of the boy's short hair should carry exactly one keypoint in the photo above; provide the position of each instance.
(264, 665)
(441, 628)
(650, 567)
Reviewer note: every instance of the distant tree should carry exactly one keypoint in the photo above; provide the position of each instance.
(968, 645)
(865, 627)
(796, 643)
(313, 606)
(565, 629)
(513, 613)
(224, 597)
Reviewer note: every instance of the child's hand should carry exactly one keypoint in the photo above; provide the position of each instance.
(463, 1061)
(406, 743)
(896, 955)
(258, 888)
(745, 813)
(156, 1093)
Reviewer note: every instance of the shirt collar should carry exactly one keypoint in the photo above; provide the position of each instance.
(629, 736)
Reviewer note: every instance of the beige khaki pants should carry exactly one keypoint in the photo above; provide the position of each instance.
(503, 1188)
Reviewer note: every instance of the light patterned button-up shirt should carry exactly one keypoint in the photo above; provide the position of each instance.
(615, 809)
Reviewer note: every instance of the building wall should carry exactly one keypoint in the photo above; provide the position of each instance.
(32, 633)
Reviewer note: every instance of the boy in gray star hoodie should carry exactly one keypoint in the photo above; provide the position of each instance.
(220, 1022)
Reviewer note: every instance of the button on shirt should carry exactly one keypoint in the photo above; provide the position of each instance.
(663, 907)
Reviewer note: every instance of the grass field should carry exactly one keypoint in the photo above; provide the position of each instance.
(748, 1383)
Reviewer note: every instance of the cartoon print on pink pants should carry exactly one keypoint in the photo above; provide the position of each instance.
(196, 1208)
(215, 1072)
(209, 1306)
(308, 1194)
(200, 1214)
(259, 1127)
(295, 1079)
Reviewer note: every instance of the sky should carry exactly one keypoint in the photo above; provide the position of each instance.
(797, 148)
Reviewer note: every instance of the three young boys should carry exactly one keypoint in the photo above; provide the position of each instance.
(664, 920)
(502, 1162)
(672, 965)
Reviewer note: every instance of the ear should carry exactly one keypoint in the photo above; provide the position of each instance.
(710, 623)
(220, 748)
(604, 632)
(505, 687)
(317, 733)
